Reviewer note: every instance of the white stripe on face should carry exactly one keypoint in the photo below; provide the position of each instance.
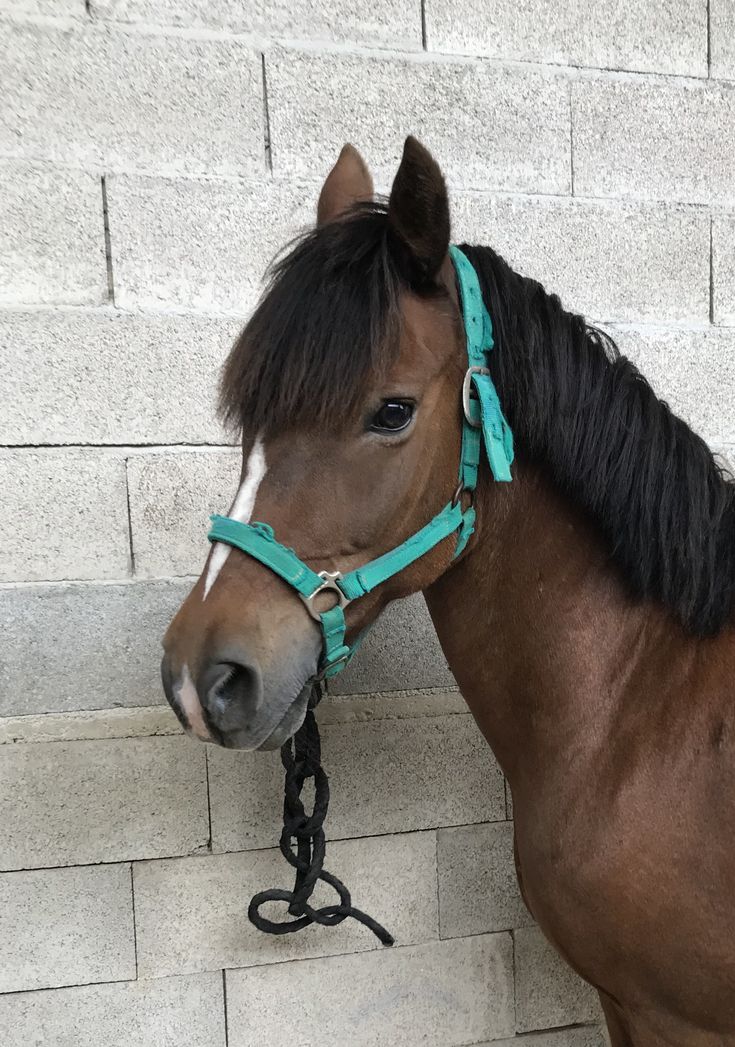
(241, 510)
(186, 692)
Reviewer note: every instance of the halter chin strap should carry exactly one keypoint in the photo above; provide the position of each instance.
(483, 422)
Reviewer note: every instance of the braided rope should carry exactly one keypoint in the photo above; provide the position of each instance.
(301, 758)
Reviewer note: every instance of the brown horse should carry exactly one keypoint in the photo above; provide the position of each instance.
(588, 622)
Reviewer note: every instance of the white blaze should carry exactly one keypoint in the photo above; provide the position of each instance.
(186, 692)
(241, 510)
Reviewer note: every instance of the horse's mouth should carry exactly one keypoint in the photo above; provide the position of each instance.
(290, 722)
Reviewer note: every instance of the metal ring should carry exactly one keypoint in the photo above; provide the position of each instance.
(460, 490)
(329, 584)
(467, 393)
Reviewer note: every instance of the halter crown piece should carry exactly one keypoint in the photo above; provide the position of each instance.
(483, 423)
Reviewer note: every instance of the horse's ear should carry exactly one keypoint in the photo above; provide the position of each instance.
(348, 183)
(418, 213)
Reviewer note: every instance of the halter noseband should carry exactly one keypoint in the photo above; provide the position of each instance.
(482, 414)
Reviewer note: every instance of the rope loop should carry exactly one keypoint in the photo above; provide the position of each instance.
(301, 758)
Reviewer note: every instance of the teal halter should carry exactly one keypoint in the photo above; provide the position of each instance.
(482, 414)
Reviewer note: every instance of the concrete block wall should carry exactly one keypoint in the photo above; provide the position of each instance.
(153, 157)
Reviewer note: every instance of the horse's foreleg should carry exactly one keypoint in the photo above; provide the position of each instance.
(616, 1026)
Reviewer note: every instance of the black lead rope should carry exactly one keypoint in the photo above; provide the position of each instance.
(301, 757)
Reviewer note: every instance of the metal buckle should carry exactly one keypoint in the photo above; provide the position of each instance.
(341, 662)
(328, 585)
(459, 492)
(467, 393)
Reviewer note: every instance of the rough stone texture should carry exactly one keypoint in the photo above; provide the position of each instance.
(605, 260)
(391, 877)
(63, 515)
(204, 245)
(548, 992)
(171, 498)
(72, 803)
(722, 38)
(111, 98)
(670, 37)
(83, 646)
(401, 651)
(582, 1036)
(66, 927)
(106, 377)
(391, 23)
(169, 1012)
(438, 995)
(643, 138)
(52, 248)
(478, 887)
(44, 7)
(723, 269)
(387, 776)
(693, 370)
(319, 102)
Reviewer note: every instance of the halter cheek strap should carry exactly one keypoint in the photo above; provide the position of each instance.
(483, 423)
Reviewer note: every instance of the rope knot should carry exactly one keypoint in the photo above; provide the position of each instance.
(301, 758)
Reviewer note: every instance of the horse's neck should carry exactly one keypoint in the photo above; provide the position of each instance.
(537, 627)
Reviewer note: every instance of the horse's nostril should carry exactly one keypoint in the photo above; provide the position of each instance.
(231, 692)
(237, 683)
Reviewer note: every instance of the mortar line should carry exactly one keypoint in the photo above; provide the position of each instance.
(130, 519)
(571, 139)
(108, 243)
(266, 117)
(438, 898)
(709, 39)
(711, 270)
(224, 1001)
(209, 801)
(135, 927)
(423, 26)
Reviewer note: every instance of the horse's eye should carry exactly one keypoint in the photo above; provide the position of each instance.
(393, 416)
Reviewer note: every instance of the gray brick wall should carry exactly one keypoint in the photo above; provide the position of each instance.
(153, 157)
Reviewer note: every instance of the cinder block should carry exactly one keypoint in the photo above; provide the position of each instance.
(169, 1012)
(44, 7)
(478, 887)
(200, 244)
(393, 878)
(74, 803)
(670, 38)
(651, 139)
(723, 269)
(481, 122)
(94, 96)
(389, 23)
(722, 38)
(184, 487)
(548, 992)
(581, 1036)
(53, 247)
(71, 647)
(386, 776)
(116, 377)
(606, 260)
(400, 652)
(694, 371)
(66, 927)
(64, 515)
(443, 994)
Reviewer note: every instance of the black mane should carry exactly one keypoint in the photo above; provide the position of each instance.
(330, 319)
(591, 420)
